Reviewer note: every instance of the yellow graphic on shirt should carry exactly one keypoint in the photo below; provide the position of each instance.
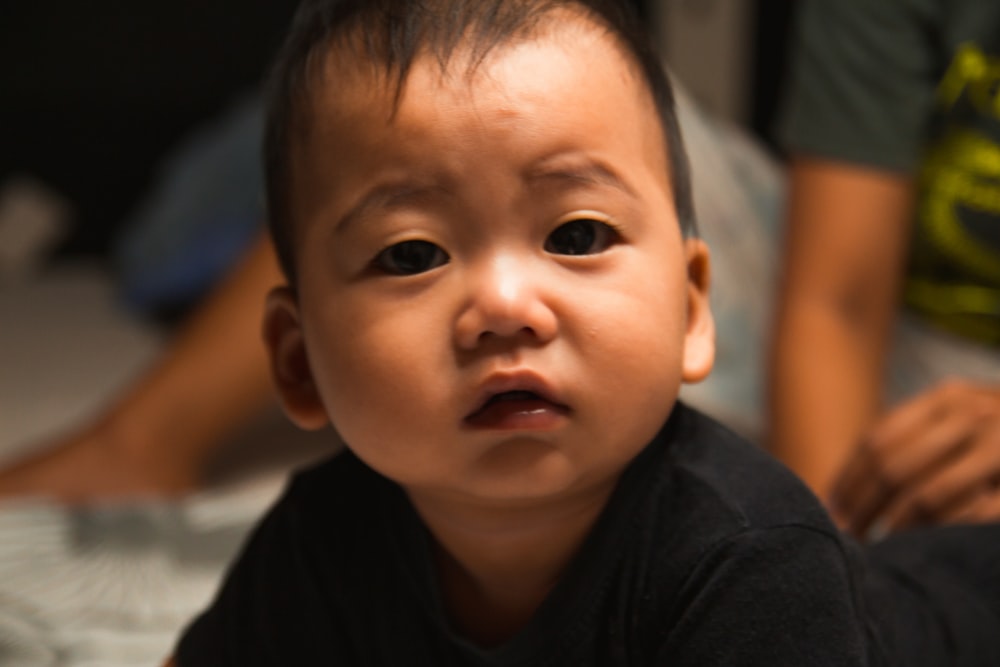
(976, 74)
(960, 179)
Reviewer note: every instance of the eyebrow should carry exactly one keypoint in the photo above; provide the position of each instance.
(387, 196)
(587, 172)
(398, 194)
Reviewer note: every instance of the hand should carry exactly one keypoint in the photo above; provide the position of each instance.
(95, 466)
(934, 459)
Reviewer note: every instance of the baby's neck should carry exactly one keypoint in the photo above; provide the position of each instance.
(496, 566)
(490, 609)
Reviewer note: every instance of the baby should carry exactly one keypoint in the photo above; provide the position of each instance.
(494, 293)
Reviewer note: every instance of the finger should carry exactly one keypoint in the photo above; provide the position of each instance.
(912, 415)
(861, 481)
(907, 443)
(857, 488)
(949, 486)
(887, 471)
(983, 508)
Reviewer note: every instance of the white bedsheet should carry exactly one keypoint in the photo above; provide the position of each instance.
(110, 586)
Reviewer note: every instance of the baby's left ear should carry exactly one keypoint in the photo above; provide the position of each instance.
(699, 337)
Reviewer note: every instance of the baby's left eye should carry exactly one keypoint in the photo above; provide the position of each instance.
(581, 237)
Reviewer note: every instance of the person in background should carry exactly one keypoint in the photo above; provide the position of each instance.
(156, 440)
(893, 126)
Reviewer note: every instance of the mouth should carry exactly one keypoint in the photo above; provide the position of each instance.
(526, 407)
(517, 395)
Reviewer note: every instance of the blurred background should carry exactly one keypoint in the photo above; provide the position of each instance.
(93, 94)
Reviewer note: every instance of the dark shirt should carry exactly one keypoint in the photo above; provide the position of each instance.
(913, 87)
(708, 553)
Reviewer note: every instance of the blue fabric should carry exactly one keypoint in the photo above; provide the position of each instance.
(201, 215)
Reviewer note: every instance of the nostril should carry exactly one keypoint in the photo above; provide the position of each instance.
(525, 318)
(501, 340)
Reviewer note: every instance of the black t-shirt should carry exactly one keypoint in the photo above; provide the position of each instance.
(708, 553)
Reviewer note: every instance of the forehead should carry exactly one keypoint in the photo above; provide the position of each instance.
(568, 86)
(350, 81)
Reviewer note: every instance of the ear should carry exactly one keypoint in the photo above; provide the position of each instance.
(290, 369)
(699, 338)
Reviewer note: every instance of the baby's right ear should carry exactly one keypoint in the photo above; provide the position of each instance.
(290, 369)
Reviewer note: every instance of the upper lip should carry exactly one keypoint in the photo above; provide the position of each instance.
(520, 380)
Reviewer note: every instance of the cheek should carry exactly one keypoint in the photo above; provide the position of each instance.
(641, 364)
(639, 334)
(376, 371)
(642, 314)
(640, 387)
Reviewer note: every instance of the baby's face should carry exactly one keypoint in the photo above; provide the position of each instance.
(493, 293)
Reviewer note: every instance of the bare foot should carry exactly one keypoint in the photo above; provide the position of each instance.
(92, 468)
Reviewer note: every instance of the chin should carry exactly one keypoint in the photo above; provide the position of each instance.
(529, 471)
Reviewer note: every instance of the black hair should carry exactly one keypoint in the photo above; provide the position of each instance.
(392, 33)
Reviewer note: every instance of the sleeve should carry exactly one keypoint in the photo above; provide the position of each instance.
(270, 609)
(938, 593)
(781, 597)
(862, 82)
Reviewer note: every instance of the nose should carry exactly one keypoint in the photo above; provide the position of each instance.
(506, 301)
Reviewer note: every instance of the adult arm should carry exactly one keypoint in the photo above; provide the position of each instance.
(854, 123)
(842, 266)
(156, 438)
(933, 459)
(860, 98)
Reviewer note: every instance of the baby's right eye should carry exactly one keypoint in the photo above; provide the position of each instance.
(410, 257)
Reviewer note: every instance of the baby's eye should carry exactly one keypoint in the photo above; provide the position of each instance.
(580, 237)
(410, 257)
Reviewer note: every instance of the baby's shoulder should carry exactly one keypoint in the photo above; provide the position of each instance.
(731, 481)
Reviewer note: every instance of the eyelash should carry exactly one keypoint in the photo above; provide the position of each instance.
(430, 256)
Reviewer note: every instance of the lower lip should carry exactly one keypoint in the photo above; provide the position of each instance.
(518, 415)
